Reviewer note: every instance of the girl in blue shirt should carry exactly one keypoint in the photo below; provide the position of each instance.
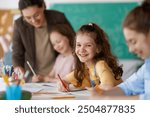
(136, 28)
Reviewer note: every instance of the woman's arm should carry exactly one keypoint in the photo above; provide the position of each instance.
(114, 93)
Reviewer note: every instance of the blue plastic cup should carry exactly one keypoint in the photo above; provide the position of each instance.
(13, 92)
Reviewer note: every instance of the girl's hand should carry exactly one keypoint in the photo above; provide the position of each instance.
(95, 91)
(47, 79)
(37, 78)
(63, 86)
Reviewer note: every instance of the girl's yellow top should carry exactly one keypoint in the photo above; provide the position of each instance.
(100, 74)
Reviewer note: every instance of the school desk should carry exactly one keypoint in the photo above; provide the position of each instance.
(48, 91)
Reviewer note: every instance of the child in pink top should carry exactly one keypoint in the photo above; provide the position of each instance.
(61, 37)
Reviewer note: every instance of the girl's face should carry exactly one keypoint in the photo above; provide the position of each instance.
(34, 16)
(85, 48)
(138, 43)
(60, 43)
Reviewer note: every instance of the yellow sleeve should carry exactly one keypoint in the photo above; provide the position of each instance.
(71, 79)
(105, 73)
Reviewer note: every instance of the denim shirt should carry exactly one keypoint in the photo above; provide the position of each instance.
(139, 82)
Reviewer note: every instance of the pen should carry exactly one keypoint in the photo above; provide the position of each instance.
(63, 83)
(11, 70)
(31, 68)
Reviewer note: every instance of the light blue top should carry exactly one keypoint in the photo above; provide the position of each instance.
(139, 82)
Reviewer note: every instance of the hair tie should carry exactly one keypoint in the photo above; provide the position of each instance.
(90, 24)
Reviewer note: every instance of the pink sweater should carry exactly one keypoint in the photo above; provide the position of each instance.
(63, 65)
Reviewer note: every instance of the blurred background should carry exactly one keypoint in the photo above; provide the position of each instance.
(108, 14)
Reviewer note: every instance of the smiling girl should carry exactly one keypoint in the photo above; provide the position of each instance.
(61, 37)
(95, 64)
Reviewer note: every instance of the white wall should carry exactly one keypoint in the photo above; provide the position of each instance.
(129, 67)
(13, 4)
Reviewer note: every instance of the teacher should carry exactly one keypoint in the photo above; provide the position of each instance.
(30, 38)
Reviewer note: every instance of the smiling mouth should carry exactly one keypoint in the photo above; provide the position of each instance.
(59, 49)
(83, 55)
(140, 53)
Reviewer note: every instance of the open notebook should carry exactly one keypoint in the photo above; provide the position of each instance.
(50, 91)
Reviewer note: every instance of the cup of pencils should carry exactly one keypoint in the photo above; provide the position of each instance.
(13, 92)
(14, 82)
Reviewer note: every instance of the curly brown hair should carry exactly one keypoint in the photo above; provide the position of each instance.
(101, 40)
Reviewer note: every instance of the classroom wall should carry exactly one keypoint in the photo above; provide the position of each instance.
(109, 16)
(13, 4)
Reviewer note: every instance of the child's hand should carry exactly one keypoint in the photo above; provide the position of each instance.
(95, 91)
(47, 79)
(62, 87)
(37, 78)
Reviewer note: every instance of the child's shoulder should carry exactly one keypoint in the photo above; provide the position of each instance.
(101, 64)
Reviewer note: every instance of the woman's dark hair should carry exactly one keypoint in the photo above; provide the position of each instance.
(139, 18)
(26, 3)
(101, 40)
(65, 30)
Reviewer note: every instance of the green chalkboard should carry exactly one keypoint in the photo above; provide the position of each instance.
(107, 15)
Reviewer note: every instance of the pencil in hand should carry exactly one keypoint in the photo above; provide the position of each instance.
(31, 68)
(64, 85)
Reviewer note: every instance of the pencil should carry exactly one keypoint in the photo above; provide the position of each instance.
(31, 68)
(63, 97)
(62, 83)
